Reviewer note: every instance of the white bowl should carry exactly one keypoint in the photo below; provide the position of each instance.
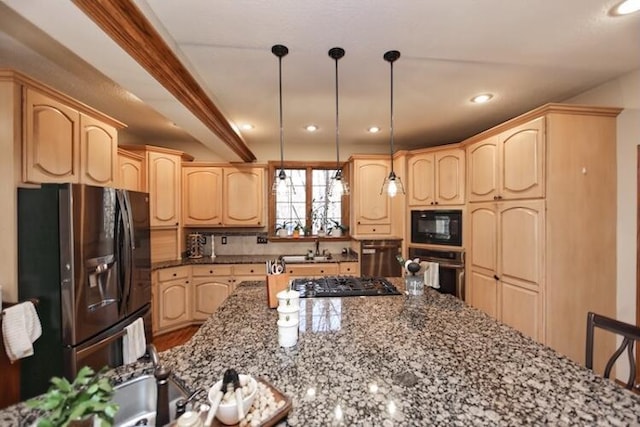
(227, 412)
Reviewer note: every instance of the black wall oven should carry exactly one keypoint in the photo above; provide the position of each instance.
(437, 227)
(450, 268)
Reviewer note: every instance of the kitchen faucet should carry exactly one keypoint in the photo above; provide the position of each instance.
(161, 373)
(317, 241)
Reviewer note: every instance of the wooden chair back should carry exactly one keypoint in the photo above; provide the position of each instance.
(630, 334)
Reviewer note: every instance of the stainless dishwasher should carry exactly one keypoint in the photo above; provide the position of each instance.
(378, 258)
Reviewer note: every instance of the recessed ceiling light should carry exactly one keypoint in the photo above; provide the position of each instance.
(373, 129)
(626, 7)
(247, 126)
(311, 128)
(481, 99)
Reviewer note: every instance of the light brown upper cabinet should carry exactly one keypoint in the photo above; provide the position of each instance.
(509, 165)
(62, 144)
(131, 171)
(52, 140)
(243, 197)
(202, 195)
(436, 177)
(98, 152)
(223, 196)
(372, 210)
(164, 188)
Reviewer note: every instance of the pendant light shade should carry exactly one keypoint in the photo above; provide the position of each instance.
(339, 187)
(392, 185)
(282, 184)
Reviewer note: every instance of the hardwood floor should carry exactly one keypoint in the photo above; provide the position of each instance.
(166, 341)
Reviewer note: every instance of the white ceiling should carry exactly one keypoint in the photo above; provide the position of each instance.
(525, 52)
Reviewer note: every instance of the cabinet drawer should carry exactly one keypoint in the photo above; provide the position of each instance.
(350, 268)
(173, 273)
(373, 229)
(211, 270)
(313, 269)
(249, 270)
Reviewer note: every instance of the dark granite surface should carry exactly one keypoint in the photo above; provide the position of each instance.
(393, 361)
(243, 259)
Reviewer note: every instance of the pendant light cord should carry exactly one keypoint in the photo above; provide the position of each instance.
(391, 56)
(336, 53)
(280, 51)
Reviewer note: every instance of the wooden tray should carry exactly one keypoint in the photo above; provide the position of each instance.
(271, 421)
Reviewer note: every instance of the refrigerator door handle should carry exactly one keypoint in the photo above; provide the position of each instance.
(130, 245)
(124, 253)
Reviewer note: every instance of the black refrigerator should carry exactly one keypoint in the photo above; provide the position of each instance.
(84, 253)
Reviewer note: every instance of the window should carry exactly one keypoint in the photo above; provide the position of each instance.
(310, 207)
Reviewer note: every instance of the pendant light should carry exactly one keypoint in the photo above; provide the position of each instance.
(281, 184)
(392, 185)
(338, 187)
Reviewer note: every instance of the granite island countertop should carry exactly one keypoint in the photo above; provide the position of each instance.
(395, 361)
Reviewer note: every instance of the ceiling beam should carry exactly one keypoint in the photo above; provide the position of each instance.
(127, 26)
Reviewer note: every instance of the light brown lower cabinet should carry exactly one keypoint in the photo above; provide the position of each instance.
(188, 295)
(173, 301)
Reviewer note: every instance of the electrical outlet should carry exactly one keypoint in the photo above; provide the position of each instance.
(223, 239)
(262, 240)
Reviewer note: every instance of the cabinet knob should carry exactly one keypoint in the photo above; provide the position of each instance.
(495, 276)
(210, 271)
(177, 223)
(495, 197)
(435, 203)
(174, 274)
(252, 270)
(321, 271)
(374, 229)
(430, 203)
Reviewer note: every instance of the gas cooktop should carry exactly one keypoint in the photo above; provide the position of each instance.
(344, 286)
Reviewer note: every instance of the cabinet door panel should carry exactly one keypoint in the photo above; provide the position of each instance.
(370, 206)
(99, 148)
(243, 196)
(521, 241)
(521, 310)
(173, 304)
(130, 174)
(164, 180)
(207, 298)
(450, 169)
(483, 232)
(421, 185)
(483, 170)
(52, 149)
(522, 161)
(202, 195)
(483, 293)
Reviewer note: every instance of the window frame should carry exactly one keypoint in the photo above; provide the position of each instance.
(273, 169)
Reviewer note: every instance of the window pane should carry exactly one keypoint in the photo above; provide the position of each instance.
(291, 208)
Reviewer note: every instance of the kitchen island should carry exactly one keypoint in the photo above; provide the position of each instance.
(394, 360)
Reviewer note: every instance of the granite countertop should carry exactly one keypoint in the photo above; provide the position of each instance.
(245, 259)
(394, 361)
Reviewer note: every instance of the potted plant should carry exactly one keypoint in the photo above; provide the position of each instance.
(297, 229)
(281, 229)
(85, 401)
(338, 229)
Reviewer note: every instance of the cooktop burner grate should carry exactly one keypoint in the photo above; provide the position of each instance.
(344, 286)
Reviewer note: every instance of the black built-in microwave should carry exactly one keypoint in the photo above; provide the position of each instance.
(437, 227)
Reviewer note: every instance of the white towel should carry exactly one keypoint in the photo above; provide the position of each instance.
(432, 275)
(134, 343)
(20, 328)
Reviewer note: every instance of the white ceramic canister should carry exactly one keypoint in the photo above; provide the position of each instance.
(288, 313)
(287, 333)
(288, 298)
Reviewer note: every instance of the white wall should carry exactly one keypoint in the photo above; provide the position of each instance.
(623, 92)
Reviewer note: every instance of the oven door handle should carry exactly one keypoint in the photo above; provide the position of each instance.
(444, 264)
(460, 290)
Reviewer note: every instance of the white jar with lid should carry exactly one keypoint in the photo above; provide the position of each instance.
(288, 298)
